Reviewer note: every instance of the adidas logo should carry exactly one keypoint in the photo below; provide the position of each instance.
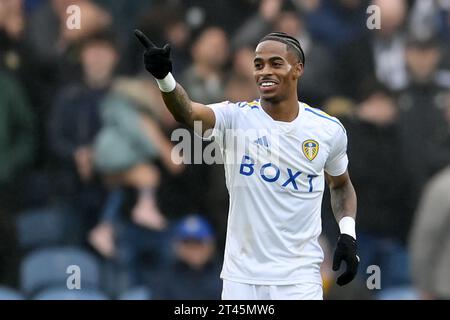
(262, 141)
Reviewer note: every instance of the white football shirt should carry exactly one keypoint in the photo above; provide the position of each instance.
(275, 177)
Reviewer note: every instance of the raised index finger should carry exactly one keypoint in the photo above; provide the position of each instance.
(146, 42)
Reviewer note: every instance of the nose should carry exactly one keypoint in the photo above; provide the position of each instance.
(265, 71)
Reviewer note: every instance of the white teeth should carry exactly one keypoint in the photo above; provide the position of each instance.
(267, 84)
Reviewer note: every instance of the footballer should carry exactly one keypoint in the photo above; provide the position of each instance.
(276, 187)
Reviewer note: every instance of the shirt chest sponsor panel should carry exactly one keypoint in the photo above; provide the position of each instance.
(264, 153)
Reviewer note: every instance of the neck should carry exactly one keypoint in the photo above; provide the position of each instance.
(286, 110)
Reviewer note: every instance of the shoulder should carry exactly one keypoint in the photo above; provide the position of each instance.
(247, 105)
(323, 119)
(238, 106)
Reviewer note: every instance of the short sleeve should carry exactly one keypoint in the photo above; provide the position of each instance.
(223, 112)
(337, 161)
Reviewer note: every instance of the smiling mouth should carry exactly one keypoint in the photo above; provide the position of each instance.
(267, 85)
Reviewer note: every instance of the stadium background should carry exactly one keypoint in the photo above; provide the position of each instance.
(85, 171)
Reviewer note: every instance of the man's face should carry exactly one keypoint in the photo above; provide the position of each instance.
(276, 70)
(393, 14)
(98, 60)
(195, 253)
(422, 62)
(212, 48)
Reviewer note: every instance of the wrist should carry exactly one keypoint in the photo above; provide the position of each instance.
(347, 226)
(168, 84)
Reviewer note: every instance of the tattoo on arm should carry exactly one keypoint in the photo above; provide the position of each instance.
(343, 200)
(179, 104)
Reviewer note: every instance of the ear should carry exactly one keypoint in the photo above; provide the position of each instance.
(298, 70)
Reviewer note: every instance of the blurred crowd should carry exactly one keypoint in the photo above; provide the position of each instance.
(87, 177)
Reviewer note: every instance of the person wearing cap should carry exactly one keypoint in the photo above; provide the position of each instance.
(194, 273)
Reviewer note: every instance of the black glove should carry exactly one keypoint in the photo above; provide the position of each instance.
(156, 60)
(346, 251)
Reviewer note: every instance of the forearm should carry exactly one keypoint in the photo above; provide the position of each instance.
(179, 105)
(343, 201)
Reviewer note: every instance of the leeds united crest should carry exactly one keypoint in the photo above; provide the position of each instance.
(310, 149)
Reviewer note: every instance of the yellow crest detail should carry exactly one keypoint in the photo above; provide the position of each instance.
(310, 149)
(254, 103)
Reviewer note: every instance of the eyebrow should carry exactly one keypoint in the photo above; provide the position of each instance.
(258, 59)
